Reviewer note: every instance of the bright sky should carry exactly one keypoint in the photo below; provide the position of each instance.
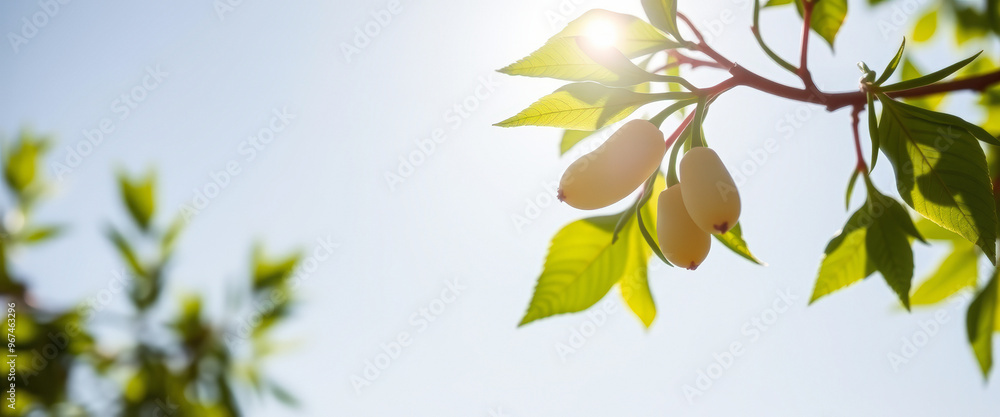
(436, 259)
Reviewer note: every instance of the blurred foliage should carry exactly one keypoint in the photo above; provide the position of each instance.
(179, 361)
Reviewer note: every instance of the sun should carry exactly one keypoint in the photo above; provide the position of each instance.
(602, 33)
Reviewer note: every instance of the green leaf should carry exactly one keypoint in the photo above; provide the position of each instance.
(891, 67)
(850, 188)
(827, 18)
(979, 323)
(625, 216)
(574, 59)
(763, 45)
(926, 25)
(889, 246)
(972, 129)
(671, 109)
(872, 131)
(876, 238)
(139, 198)
(21, 161)
(645, 224)
(126, 251)
(685, 135)
(772, 3)
(958, 271)
(584, 106)
(635, 282)
(733, 239)
(271, 273)
(931, 231)
(40, 234)
(845, 260)
(580, 268)
(941, 172)
(633, 36)
(572, 137)
(930, 78)
(697, 132)
(663, 15)
(646, 215)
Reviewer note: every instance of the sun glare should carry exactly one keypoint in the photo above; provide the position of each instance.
(602, 33)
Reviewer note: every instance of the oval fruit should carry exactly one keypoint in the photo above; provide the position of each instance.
(683, 243)
(615, 169)
(710, 194)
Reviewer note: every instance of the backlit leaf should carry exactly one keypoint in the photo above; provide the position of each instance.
(941, 172)
(584, 106)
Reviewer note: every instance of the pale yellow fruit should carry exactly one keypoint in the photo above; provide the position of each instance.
(682, 242)
(710, 194)
(615, 169)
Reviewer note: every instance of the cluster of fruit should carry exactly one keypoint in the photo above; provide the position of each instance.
(704, 202)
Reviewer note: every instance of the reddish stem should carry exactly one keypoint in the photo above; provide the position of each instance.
(803, 71)
(855, 121)
(677, 133)
(812, 94)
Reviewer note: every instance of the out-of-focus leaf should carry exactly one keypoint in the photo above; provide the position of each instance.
(663, 15)
(926, 25)
(41, 233)
(139, 197)
(958, 271)
(283, 395)
(584, 106)
(22, 160)
(572, 137)
(941, 172)
(979, 322)
(269, 273)
(126, 251)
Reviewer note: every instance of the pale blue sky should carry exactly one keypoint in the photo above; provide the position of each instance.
(323, 176)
